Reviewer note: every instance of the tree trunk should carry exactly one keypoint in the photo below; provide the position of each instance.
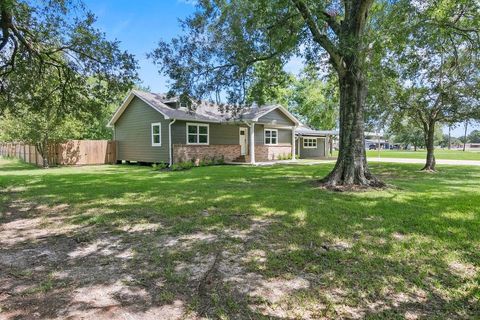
(465, 136)
(351, 168)
(414, 147)
(42, 149)
(429, 143)
(449, 137)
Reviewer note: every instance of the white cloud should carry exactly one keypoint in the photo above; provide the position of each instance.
(190, 2)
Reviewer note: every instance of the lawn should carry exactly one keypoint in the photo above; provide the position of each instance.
(422, 154)
(237, 242)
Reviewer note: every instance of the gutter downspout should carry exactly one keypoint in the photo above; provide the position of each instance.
(170, 142)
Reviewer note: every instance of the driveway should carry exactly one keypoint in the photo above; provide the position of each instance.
(398, 160)
(422, 161)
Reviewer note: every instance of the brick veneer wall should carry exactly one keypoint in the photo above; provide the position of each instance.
(269, 153)
(184, 152)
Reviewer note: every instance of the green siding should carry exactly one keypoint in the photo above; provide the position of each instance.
(284, 135)
(318, 152)
(276, 117)
(133, 134)
(218, 133)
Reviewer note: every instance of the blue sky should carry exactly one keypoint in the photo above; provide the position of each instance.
(140, 24)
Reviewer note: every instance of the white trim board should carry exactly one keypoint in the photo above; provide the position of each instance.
(198, 124)
(159, 124)
(265, 137)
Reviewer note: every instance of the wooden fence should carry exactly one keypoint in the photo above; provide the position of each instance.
(72, 152)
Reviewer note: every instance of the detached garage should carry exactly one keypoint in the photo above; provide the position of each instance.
(312, 144)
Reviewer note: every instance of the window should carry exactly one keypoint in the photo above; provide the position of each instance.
(197, 133)
(156, 134)
(309, 142)
(271, 136)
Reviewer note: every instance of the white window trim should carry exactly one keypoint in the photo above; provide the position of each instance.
(310, 147)
(198, 125)
(159, 124)
(265, 137)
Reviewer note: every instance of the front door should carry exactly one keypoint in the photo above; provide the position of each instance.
(243, 141)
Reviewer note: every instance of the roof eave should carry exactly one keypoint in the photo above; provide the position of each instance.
(284, 110)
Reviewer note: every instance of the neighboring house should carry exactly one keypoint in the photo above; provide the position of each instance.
(152, 128)
(375, 140)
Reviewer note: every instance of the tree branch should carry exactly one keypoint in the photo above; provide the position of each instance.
(359, 10)
(319, 37)
(332, 23)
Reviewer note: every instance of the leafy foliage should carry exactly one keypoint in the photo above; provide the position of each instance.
(58, 34)
(432, 66)
(60, 77)
(474, 136)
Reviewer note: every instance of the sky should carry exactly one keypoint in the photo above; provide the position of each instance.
(140, 24)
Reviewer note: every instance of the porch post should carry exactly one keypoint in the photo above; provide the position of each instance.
(293, 143)
(252, 143)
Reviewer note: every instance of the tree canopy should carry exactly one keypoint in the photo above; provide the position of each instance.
(40, 37)
(224, 40)
(59, 75)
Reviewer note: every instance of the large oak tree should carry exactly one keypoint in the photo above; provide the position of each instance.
(223, 40)
(57, 69)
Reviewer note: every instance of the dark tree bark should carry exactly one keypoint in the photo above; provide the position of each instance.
(449, 137)
(43, 150)
(465, 135)
(351, 167)
(347, 58)
(429, 143)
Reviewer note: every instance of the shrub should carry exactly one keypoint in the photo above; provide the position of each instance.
(219, 161)
(182, 166)
(206, 162)
(159, 166)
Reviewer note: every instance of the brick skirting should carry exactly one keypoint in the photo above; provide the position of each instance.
(270, 153)
(185, 152)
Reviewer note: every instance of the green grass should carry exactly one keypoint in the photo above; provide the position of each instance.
(414, 247)
(422, 154)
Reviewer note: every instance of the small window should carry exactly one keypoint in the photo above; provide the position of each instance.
(271, 136)
(197, 133)
(156, 134)
(309, 142)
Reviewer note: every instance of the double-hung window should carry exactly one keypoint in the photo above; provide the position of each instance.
(271, 136)
(156, 134)
(197, 133)
(309, 143)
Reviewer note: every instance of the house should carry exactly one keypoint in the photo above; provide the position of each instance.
(153, 128)
(312, 144)
(375, 140)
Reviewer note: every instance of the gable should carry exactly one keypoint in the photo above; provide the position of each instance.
(126, 103)
(276, 116)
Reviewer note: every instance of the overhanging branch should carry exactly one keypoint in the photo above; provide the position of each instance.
(319, 36)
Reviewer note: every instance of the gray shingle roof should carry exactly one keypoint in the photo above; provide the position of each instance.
(303, 130)
(204, 111)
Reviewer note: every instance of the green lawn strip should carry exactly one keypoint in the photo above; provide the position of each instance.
(418, 238)
(422, 154)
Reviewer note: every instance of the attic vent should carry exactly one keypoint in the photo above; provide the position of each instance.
(172, 104)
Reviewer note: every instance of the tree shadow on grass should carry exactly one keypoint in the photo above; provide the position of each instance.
(237, 242)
